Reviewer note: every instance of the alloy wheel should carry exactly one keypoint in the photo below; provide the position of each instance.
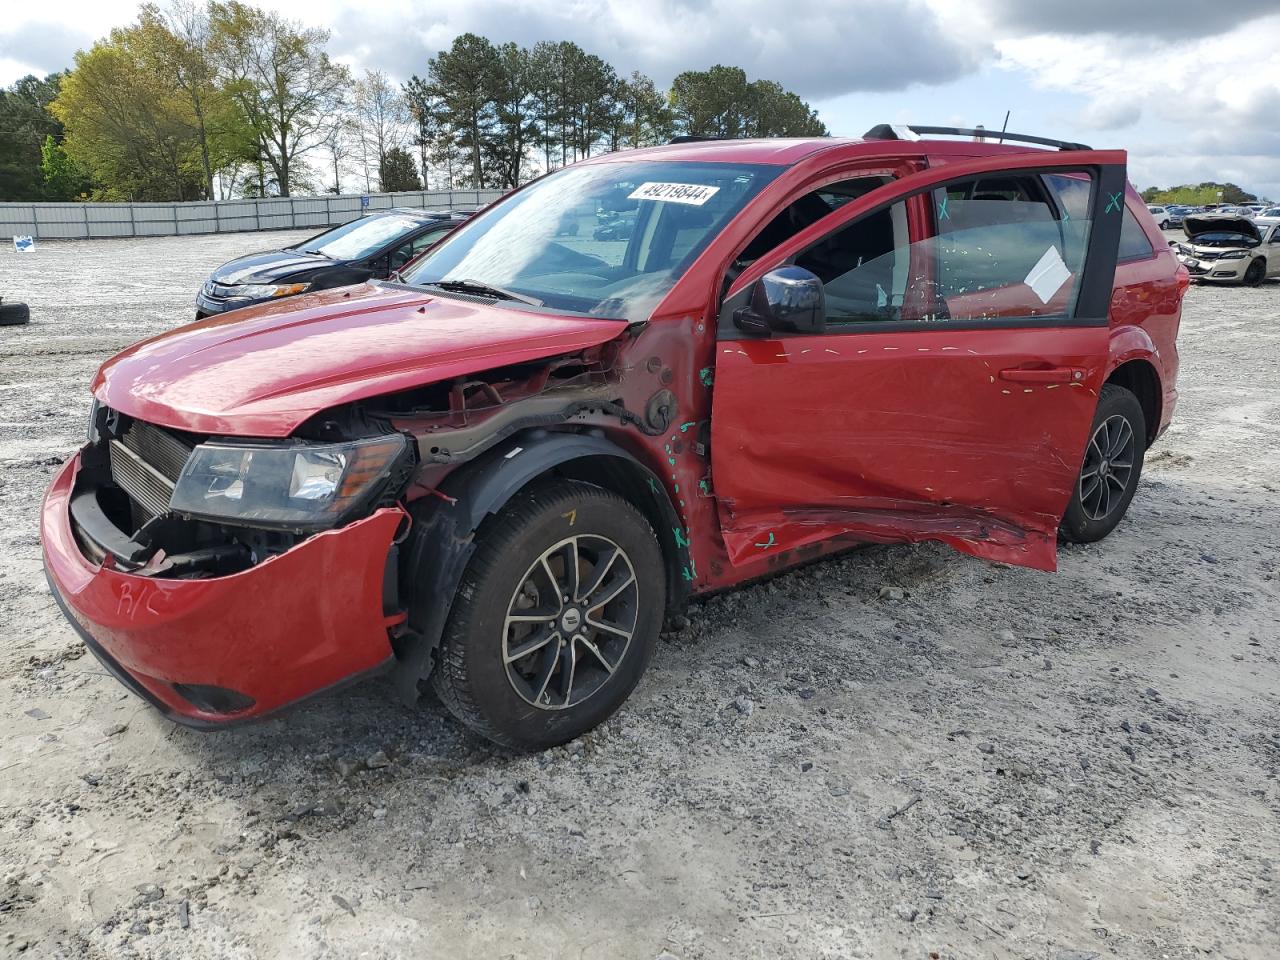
(570, 622)
(1108, 467)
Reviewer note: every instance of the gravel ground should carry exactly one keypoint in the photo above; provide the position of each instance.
(1002, 764)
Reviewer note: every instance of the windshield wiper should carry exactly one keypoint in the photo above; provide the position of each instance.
(484, 290)
(318, 253)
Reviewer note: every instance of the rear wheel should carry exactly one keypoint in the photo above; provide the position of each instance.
(1164, 224)
(1256, 273)
(1111, 468)
(555, 619)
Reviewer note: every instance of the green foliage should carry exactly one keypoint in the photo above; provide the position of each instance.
(397, 172)
(218, 96)
(63, 178)
(25, 124)
(1198, 194)
(126, 124)
(720, 102)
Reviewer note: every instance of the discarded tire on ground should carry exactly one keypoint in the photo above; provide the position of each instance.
(14, 314)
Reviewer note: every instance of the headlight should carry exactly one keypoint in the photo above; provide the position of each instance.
(302, 486)
(1234, 255)
(259, 291)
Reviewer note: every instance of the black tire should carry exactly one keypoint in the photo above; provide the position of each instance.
(14, 314)
(1164, 225)
(1256, 273)
(1088, 517)
(472, 676)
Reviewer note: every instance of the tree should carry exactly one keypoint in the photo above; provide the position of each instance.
(721, 103)
(465, 78)
(776, 112)
(381, 115)
(180, 47)
(281, 80)
(63, 178)
(545, 82)
(643, 117)
(25, 124)
(1199, 194)
(590, 103)
(396, 172)
(514, 125)
(126, 124)
(340, 140)
(425, 112)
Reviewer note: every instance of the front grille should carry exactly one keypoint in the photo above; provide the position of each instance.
(145, 464)
(146, 486)
(158, 447)
(221, 291)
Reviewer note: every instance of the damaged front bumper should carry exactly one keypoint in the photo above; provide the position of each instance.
(216, 650)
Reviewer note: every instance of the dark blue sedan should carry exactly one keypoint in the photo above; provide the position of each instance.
(369, 248)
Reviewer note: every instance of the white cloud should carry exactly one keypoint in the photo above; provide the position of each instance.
(1193, 92)
(815, 47)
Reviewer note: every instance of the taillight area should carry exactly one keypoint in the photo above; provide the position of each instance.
(1184, 280)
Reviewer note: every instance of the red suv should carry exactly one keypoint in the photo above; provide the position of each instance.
(500, 472)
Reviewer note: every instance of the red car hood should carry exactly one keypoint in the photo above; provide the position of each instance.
(262, 371)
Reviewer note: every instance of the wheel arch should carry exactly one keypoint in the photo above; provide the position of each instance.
(443, 536)
(1141, 378)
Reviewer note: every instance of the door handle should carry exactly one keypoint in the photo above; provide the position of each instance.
(1042, 374)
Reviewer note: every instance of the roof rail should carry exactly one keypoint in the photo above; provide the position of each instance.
(691, 138)
(885, 131)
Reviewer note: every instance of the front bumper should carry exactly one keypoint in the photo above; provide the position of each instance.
(207, 306)
(294, 625)
(1226, 271)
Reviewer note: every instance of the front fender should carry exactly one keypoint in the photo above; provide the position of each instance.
(443, 537)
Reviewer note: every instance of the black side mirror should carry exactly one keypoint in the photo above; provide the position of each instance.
(785, 300)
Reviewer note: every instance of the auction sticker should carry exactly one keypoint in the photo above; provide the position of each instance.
(691, 193)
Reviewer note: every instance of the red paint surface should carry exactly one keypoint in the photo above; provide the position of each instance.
(817, 443)
(902, 436)
(262, 371)
(294, 624)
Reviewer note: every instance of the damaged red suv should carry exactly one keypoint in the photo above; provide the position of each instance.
(497, 474)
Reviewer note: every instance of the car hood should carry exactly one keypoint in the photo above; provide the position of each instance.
(1194, 224)
(262, 371)
(268, 267)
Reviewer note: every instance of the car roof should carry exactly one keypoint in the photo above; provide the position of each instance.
(783, 151)
(422, 214)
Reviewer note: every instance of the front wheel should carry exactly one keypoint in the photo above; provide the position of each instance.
(1256, 273)
(1111, 468)
(556, 617)
(1164, 225)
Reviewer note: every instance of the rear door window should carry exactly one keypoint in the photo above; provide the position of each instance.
(1009, 246)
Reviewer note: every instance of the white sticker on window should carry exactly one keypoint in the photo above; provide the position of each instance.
(1048, 275)
(691, 193)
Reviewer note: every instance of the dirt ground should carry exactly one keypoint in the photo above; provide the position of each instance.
(1003, 764)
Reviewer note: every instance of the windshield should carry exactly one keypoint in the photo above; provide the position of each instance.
(359, 238)
(606, 239)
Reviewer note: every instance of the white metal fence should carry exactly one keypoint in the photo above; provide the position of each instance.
(69, 221)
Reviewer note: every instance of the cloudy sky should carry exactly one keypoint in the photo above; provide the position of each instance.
(1190, 88)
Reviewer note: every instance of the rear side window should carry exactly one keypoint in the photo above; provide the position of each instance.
(1134, 244)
